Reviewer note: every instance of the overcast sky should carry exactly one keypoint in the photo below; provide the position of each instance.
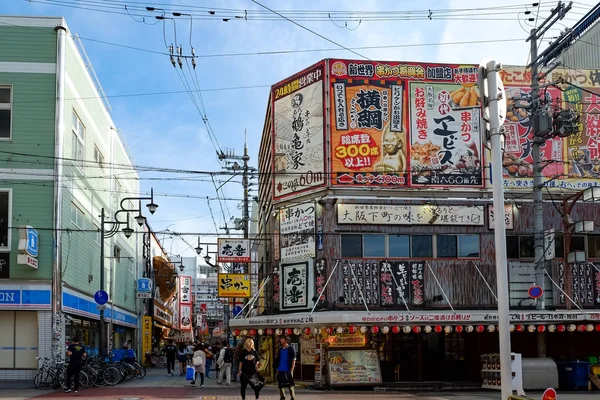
(167, 130)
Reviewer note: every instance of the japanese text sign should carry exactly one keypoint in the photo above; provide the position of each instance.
(185, 317)
(297, 232)
(508, 217)
(298, 132)
(233, 250)
(185, 284)
(296, 285)
(234, 285)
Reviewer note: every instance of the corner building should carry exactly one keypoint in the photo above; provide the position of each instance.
(376, 199)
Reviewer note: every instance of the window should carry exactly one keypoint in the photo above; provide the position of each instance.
(526, 247)
(5, 111)
(77, 216)
(78, 141)
(422, 246)
(98, 236)
(117, 253)
(468, 246)
(512, 247)
(446, 247)
(4, 220)
(351, 245)
(399, 246)
(577, 243)
(594, 246)
(98, 157)
(374, 246)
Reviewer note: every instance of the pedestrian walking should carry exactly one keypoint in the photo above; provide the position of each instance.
(225, 361)
(249, 361)
(76, 353)
(171, 353)
(209, 360)
(236, 359)
(182, 357)
(285, 362)
(199, 362)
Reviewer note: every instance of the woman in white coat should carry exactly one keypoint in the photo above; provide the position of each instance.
(199, 363)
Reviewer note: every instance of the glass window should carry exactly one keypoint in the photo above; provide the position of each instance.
(398, 246)
(5, 112)
(577, 243)
(446, 246)
(559, 246)
(76, 216)
(351, 245)
(4, 222)
(78, 141)
(98, 238)
(526, 249)
(512, 246)
(373, 245)
(98, 157)
(422, 246)
(594, 246)
(468, 246)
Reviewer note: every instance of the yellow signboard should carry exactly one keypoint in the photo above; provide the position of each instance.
(146, 335)
(347, 340)
(234, 285)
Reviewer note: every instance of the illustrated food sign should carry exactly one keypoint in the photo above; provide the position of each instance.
(354, 367)
(298, 132)
(234, 285)
(185, 315)
(297, 232)
(568, 163)
(380, 110)
(233, 250)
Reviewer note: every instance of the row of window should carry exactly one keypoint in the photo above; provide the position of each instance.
(5, 111)
(410, 246)
(453, 246)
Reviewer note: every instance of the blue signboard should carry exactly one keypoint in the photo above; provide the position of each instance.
(32, 242)
(144, 285)
(236, 310)
(101, 297)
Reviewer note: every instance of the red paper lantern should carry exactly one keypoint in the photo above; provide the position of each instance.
(236, 332)
(307, 331)
(561, 328)
(396, 329)
(437, 329)
(541, 328)
(479, 328)
(375, 329)
(416, 329)
(329, 330)
(459, 329)
(580, 328)
(288, 331)
(597, 328)
(252, 332)
(352, 329)
(520, 328)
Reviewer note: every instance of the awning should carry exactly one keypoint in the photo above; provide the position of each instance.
(414, 318)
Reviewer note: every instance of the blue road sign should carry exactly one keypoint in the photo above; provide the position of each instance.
(144, 285)
(236, 310)
(101, 297)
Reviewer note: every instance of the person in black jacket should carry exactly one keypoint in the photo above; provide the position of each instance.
(285, 362)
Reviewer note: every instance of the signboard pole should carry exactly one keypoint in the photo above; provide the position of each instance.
(491, 73)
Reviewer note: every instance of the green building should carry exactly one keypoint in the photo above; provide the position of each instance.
(61, 161)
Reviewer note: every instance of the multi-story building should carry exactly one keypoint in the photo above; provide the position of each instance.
(375, 192)
(60, 156)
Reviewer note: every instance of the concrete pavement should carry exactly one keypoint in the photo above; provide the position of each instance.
(158, 385)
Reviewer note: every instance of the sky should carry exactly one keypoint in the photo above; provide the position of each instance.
(126, 47)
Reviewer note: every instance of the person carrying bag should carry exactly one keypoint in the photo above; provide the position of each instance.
(199, 363)
(249, 359)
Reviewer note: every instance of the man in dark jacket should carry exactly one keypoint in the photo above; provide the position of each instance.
(285, 362)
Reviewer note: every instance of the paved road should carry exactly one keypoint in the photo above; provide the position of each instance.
(157, 385)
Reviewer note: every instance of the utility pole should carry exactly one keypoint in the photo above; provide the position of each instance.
(540, 128)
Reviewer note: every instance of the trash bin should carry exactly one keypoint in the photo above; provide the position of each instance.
(573, 375)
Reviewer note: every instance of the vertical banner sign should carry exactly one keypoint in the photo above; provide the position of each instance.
(346, 282)
(445, 134)
(226, 317)
(233, 250)
(297, 232)
(298, 132)
(401, 273)
(417, 286)
(185, 284)
(583, 280)
(562, 283)
(367, 286)
(146, 335)
(360, 279)
(320, 278)
(276, 287)
(387, 284)
(185, 317)
(353, 286)
(374, 283)
(295, 286)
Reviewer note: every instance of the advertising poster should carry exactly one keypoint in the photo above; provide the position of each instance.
(234, 285)
(185, 317)
(354, 367)
(233, 250)
(296, 285)
(308, 349)
(185, 283)
(298, 132)
(297, 232)
(445, 134)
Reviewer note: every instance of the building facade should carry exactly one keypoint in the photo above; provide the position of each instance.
(61, 155)
(375, 193)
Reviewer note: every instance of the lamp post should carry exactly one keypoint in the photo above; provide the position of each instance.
(127, 231)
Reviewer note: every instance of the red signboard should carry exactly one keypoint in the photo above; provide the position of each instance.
(549, 394)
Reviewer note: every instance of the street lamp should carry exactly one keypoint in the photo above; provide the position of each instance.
(114, 229)
(198, 248)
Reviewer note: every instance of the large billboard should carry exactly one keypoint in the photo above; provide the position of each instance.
(568, 163)
(298, 132)
(400, 124)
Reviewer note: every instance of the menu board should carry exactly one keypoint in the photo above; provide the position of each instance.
(354, 367)
(307, 350)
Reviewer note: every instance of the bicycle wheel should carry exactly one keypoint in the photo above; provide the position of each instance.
(111, 376)
(44, 380)
(84, 380)
(140, 371)
(129, 371)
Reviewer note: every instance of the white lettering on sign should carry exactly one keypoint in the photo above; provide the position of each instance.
(7, 297)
